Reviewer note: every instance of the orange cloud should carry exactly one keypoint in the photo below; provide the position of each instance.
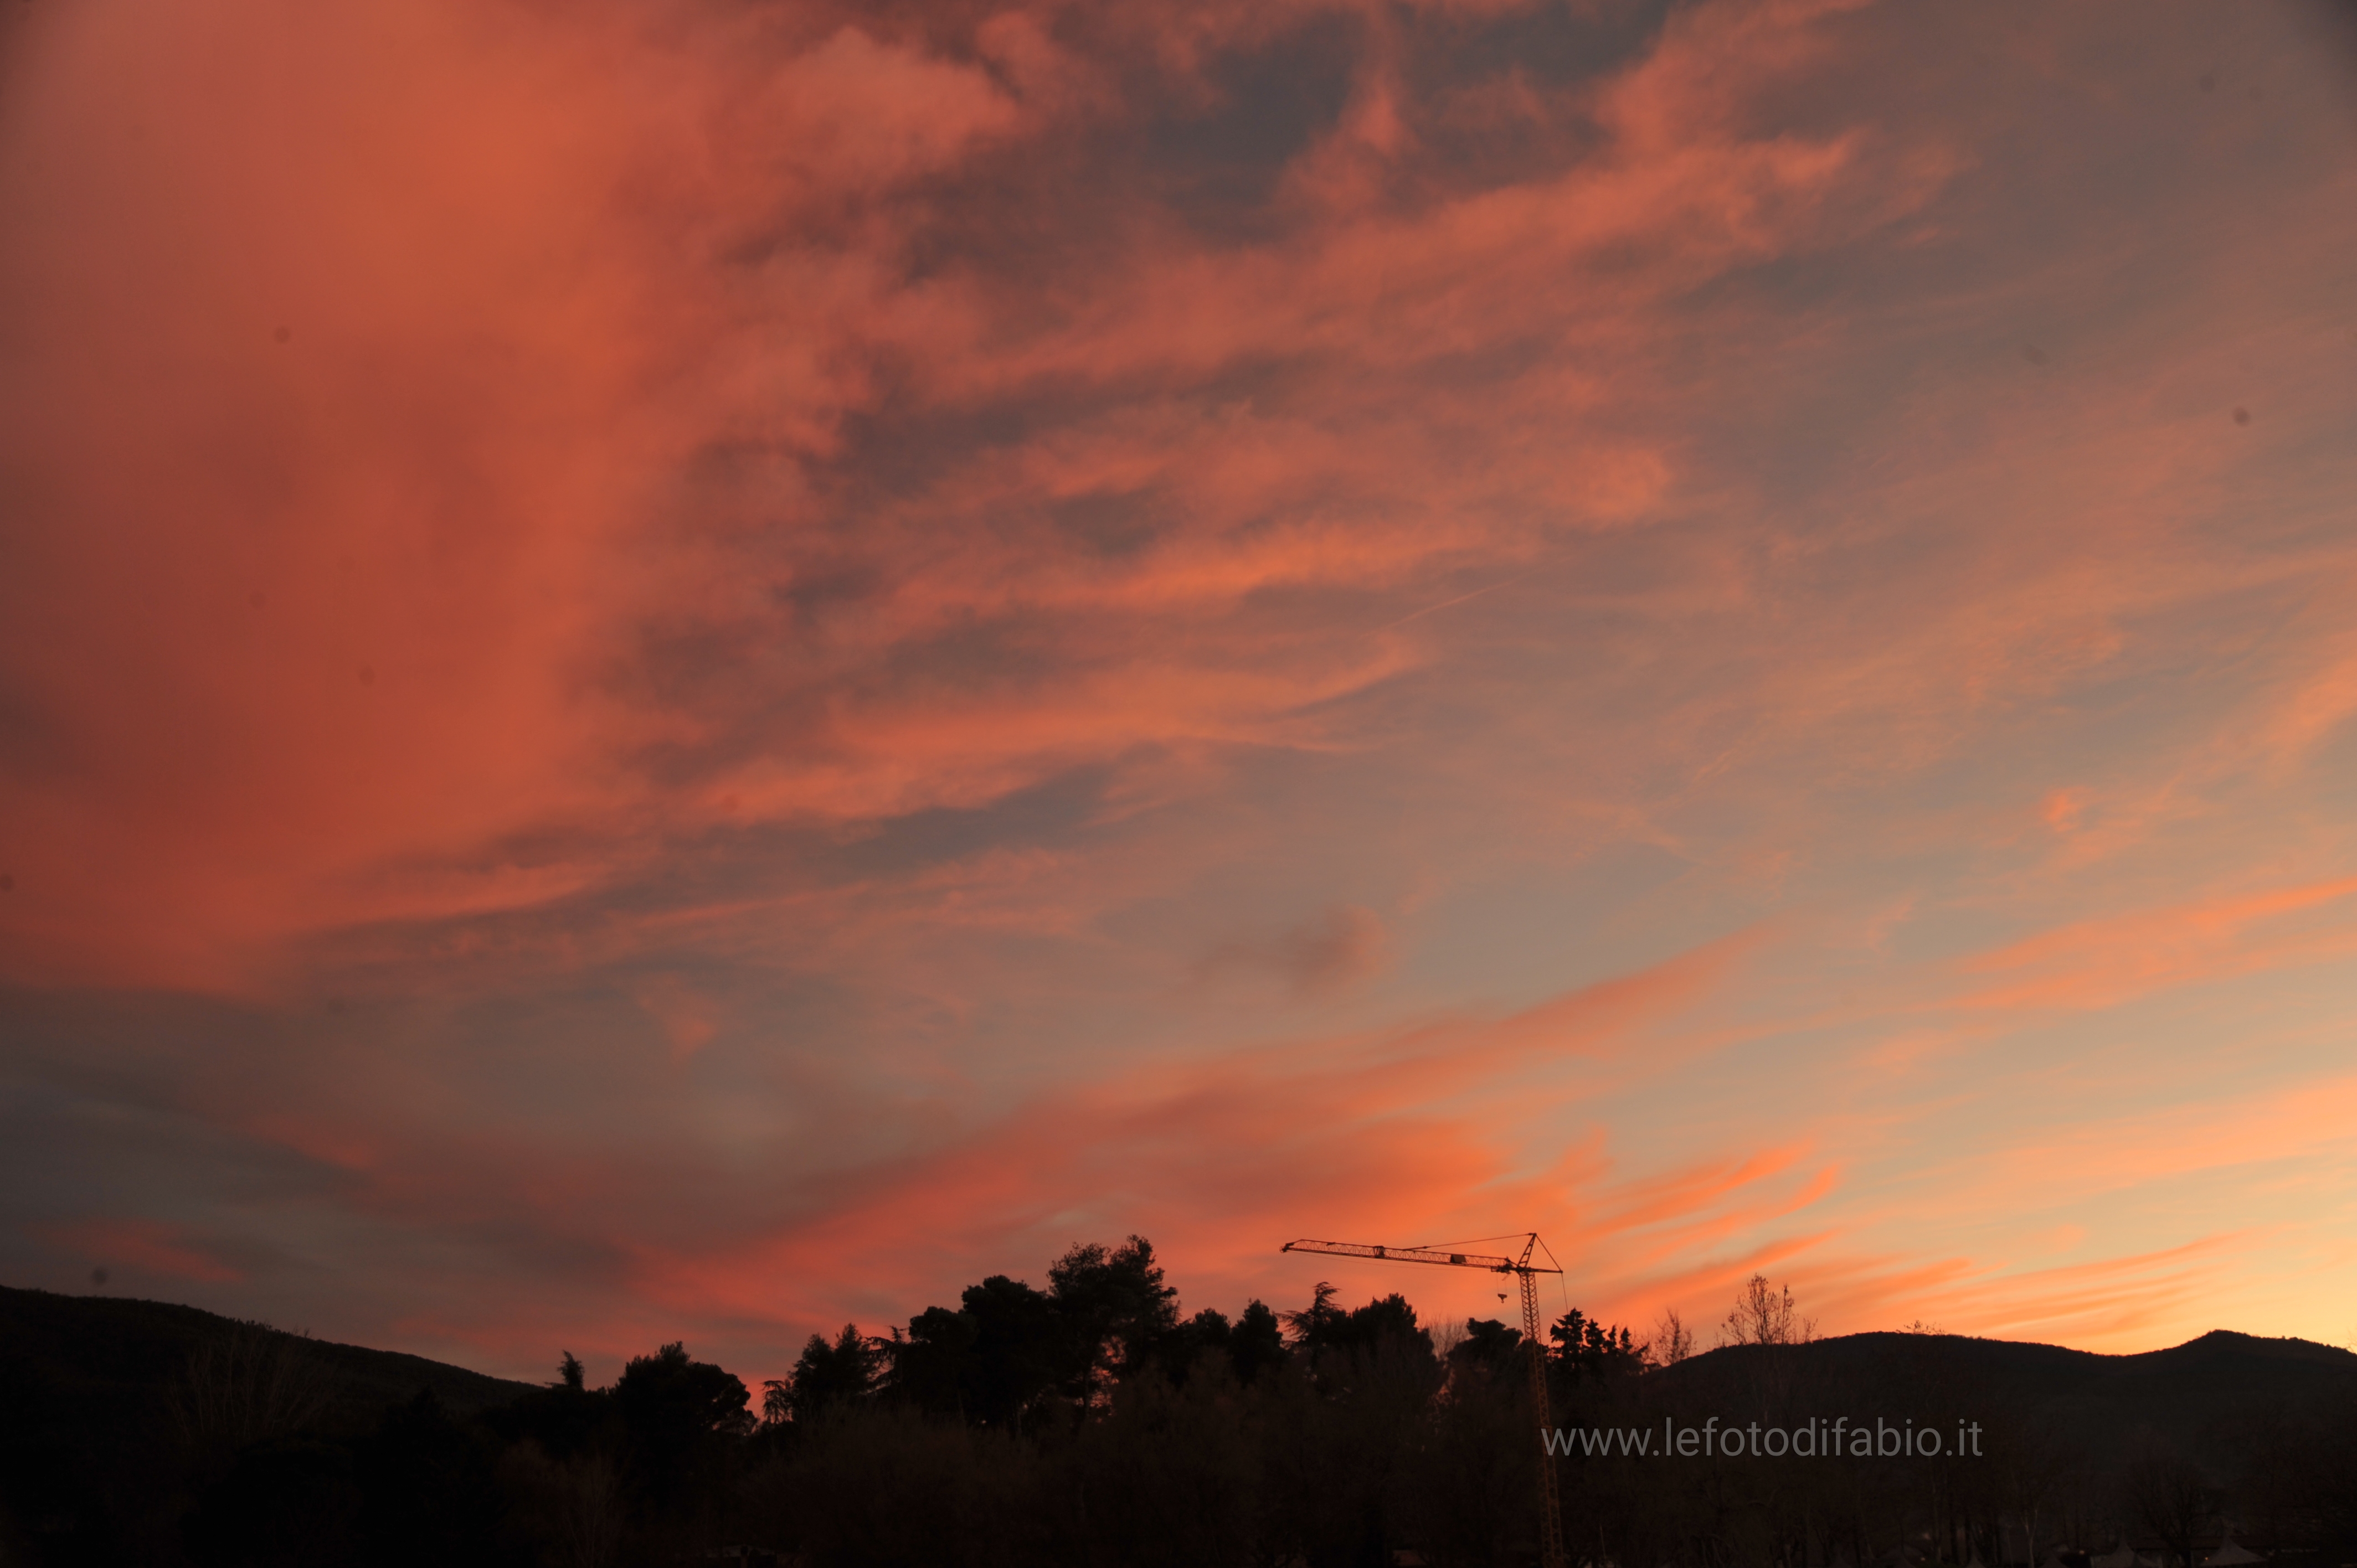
(2101, 963)
(673, 661)
(1218, 1159)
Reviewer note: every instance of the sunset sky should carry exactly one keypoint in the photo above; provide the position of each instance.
(695, 668)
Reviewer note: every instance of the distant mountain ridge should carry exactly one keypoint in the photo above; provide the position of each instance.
(2219, 1350)
(2200, 1394)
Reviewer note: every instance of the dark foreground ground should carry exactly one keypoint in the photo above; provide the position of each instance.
(137, 1432)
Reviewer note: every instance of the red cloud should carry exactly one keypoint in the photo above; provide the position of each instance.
(749, 591)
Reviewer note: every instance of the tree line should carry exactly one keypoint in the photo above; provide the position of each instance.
(1090, 1422)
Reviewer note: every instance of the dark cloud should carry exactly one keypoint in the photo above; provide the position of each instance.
(1337, 947)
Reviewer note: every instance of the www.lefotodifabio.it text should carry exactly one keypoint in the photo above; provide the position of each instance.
(1838, 1438)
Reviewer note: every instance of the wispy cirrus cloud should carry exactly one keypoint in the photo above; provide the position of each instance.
(711, 663)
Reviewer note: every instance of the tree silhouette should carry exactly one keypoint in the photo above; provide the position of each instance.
(674, 1412)
(1015, 1344)
(246, 1384)
(1487, 1343)
(1206, 1336)
(1113, 1308)
(2170, 1499)
(931, 1366)
(1587, 1349)
(828, 1377)
(1763, 1314)
(1257, 1344)
(1312, 1325)
(1673, 1341)
(1387, 1319)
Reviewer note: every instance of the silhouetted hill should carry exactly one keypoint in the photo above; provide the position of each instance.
(107, 1352)
(119, 1414)
(2202, 1395)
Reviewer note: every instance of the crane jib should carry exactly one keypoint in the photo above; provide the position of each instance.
(1389, 1254)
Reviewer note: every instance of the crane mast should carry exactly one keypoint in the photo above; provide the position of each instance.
(1551, 1552)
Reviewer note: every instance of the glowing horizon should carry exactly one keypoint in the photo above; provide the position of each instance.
(694, 670)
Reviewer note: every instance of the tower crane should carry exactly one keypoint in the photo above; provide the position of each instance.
(1551, 1552)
